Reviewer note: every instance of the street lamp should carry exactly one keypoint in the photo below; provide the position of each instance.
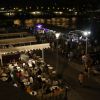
(57, 37)
(86, 34)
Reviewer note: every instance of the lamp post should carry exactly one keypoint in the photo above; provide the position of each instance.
(42, 54)
(39, 27)
(86, 34)
(57, 37)
(1, 59)
(42, 48)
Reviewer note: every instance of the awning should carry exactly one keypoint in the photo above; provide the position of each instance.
(24, 48)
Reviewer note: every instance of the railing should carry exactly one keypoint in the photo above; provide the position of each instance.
(13, 35)
(18, 40)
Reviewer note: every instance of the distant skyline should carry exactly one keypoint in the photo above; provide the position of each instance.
(45, 3)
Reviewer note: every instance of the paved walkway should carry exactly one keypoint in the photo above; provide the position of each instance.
(80, 67)
(90, 89)
(70, 74)
(73, 95)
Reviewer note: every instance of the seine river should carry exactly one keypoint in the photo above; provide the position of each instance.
(63, 23)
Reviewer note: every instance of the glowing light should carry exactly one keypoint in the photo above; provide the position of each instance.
(86, 33)
(58, 12)
(76, 13)
(9, 14)
(35, 13)
(74, 19)
(39, 26)
(57, 35)
(20, 10)
(29, 22)
(70, 9)
(2, 8)
(17, 22)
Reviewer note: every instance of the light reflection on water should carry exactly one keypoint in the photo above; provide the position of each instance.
(62, 22)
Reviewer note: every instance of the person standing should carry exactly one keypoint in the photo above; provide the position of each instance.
(81, 78)
(66, 93)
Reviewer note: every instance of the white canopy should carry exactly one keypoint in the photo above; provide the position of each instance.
(23, 48)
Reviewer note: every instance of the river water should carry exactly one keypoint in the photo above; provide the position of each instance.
(59, 23)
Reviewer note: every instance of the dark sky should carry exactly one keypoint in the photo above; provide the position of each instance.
(49, 2)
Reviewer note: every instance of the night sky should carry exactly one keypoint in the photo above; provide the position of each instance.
(94, 3)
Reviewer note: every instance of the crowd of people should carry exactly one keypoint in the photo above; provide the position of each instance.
(33, 76)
